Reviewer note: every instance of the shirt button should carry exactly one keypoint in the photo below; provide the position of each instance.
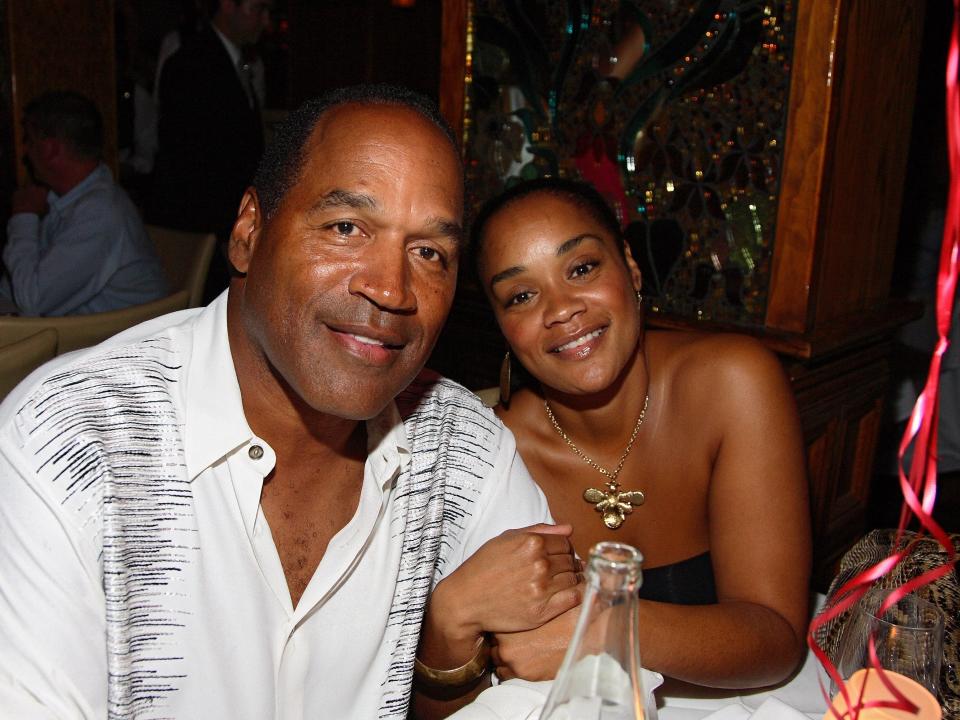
(255, 452)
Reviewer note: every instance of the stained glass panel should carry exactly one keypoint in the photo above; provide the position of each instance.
(674, 109)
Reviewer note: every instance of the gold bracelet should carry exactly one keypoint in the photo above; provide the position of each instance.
(474, 668)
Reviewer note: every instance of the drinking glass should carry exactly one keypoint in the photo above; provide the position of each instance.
(908, 638)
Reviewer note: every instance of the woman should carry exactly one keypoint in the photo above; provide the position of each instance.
(686, 445)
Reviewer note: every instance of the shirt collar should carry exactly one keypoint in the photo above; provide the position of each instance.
(98, 174)
(232, 50)
(216, 424)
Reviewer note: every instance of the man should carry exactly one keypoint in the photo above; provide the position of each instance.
(224, 512)
(210, 135)
(75, 243)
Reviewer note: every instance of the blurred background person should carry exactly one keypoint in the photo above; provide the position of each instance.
(210, 131)
(75, 243)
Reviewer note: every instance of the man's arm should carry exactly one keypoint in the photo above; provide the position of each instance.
(52, 620)
(504, 578)
(74, 268)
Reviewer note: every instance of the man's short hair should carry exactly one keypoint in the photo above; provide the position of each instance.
(284, 158)
(70, 117)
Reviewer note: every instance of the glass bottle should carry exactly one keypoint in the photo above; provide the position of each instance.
(600, 678)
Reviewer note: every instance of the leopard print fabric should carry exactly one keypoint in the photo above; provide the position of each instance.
(944, 593)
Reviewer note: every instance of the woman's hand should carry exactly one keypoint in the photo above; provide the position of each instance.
(516, 581)
(534, 654)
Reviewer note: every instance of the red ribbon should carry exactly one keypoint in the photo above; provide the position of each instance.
(920, 487)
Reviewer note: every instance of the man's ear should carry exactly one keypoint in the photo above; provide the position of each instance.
(246, 231)
(635, 276)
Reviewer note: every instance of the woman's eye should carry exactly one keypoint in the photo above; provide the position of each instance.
(519, 299)
(583, 269)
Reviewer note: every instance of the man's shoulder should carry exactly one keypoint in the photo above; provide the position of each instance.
(431, 393)
(200, 56)
(152, 350)
(445, 420)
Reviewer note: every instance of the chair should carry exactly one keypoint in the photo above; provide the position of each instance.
(79, 331)
(185, 257)
(20, 358)
(488, 396)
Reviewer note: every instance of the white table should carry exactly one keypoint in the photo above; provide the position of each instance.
(800, 696)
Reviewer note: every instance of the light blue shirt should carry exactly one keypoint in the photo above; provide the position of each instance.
(88, 254)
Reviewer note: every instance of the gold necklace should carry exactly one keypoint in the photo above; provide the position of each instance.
(613, 504)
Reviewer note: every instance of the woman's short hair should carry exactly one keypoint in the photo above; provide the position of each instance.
(583, 195)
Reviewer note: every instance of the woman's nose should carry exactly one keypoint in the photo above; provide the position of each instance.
(561, 307)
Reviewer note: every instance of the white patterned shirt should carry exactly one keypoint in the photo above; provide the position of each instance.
(138, 575)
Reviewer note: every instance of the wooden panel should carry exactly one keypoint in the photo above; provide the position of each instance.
(864, 182)
(840, 404)
(841, 186)
(807, 132)
(453, 62)
(56, 45)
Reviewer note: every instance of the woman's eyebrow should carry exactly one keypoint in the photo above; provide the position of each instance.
(570, 244)
(506, 274)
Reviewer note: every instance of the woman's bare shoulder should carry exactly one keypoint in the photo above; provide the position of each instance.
(525, 405)
(716, 356)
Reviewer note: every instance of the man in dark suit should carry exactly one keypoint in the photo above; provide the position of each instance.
(210, 133)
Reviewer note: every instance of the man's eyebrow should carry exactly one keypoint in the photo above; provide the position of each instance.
(447, 228)
(358, 201)
(344, 198)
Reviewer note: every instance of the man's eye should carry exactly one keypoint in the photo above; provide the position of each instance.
(430, 255)
(345, 228)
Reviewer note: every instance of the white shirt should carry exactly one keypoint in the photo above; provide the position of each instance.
(133, 545)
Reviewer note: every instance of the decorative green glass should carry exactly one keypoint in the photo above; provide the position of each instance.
(674, 109)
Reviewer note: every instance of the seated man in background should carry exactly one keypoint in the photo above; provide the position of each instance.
(239, 511)
(75, 243)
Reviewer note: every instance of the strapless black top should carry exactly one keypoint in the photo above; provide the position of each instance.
(688, 582)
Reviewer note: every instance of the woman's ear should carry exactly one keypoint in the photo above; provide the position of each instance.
(246, 232)
(632, 267)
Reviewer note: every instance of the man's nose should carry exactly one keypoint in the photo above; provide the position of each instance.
(384, 279)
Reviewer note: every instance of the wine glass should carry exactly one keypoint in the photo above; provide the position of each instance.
(908, 638)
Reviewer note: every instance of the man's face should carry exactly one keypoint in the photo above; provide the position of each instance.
(35, 151)
(247, 19)
(349, 283)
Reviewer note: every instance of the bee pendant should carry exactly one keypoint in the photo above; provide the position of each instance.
(613, 504)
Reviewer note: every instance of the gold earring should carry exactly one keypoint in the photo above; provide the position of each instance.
(505, 379)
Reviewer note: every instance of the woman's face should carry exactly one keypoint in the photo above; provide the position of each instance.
(562, 293)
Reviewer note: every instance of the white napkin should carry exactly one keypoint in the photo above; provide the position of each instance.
(523, 700)
(770, 709)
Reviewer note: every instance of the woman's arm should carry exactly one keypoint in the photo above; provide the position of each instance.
(759, 541)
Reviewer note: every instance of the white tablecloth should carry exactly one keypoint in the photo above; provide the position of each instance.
(797, 699)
